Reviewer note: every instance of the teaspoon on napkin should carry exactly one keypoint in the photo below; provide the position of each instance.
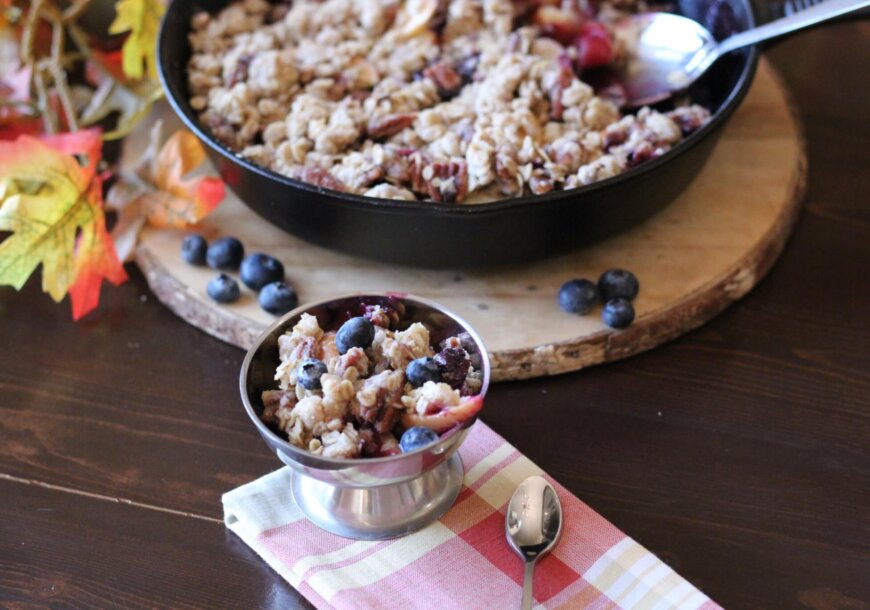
(532, 525)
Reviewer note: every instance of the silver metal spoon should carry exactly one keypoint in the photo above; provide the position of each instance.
(670, 52)
(532, 524)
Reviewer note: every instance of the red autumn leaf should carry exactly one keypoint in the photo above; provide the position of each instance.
(109, 61)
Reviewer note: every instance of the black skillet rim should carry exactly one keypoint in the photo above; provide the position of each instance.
(174, 91)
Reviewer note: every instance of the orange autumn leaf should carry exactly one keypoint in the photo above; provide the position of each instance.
(51, 203)
(180, 202)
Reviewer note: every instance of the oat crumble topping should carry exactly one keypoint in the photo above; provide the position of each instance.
(458, 101)
(365, 400)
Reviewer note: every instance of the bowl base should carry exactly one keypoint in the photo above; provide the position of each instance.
(377, 513)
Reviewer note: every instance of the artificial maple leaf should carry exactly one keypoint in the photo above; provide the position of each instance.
(158, 192)
(141, 18)
(132, 101)
(180, 202)
(52, 205)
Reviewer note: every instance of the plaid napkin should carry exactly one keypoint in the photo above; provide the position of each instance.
(462, 560)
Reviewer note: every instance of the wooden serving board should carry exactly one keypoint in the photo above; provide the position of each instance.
(703, 252)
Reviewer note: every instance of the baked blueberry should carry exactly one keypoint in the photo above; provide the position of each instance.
(578, 296)
(453, 362)
(278, 298)
(356, 332)
(618, 313)
(308, 373)
(416, 437)
(618, 284)
(225, 253)
(259, 269)
(193, 248)
(223, 289)
(421, 370)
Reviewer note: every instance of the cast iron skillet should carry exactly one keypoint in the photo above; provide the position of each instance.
(427, 234)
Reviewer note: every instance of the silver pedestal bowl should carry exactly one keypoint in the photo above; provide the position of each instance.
(366, 498)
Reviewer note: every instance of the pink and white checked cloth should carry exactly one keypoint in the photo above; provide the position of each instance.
(462, 560)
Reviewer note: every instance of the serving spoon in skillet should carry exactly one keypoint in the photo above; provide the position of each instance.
(669, 52)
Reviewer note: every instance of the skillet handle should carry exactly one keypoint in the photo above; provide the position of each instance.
(814, 15)
(766, 11)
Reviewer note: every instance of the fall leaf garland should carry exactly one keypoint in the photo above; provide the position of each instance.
(52, 78)
(158, 191)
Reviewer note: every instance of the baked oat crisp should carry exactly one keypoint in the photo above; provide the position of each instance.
(368, 397)
(456, 101)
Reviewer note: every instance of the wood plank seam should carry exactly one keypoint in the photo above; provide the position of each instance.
(104, 498)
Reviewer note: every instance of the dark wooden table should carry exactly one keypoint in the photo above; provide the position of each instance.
(739, 453)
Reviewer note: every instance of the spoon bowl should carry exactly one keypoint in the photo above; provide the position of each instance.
(670, 52)
(533, 523)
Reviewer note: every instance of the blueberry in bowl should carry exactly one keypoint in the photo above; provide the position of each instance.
(371, 442)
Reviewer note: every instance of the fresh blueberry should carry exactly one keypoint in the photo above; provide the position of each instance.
(421, 370)
(259, 269)
(578, 296)
(356, 332)
(308, 373)
(193, 249)
(225, 253)
(618, 284)
(618, 313)
(416, 437)
(223, 289)
(278, 298)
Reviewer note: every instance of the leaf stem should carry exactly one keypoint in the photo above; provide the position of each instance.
(75, 11)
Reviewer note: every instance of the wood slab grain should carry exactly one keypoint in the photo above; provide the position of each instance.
(702, 253)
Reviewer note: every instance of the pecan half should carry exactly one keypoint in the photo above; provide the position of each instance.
(448, 80)
(383, 399)
(614, 136)
(449, 182)
(416, 164)
(541, 182)
(388, 125)
(322, 178)
(566, 75)
(643, 153)
(370, 176)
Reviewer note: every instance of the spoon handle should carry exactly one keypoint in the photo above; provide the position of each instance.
(828, 9)
(527, 585)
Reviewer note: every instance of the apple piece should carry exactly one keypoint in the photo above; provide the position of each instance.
(446, 418)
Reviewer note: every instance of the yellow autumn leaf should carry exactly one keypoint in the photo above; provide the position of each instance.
(51, 203)
(141, 18)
